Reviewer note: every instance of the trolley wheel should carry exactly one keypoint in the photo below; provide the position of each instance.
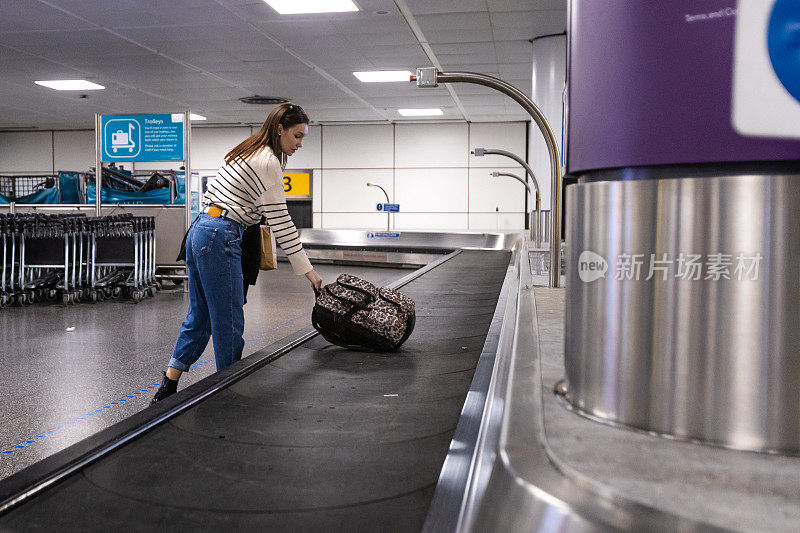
(101, 295)
(93, 297)
(65, 299)
(137, 296)
(50, 295)
(116, 292)
(33, 296)
(151, 291)
(159, 285)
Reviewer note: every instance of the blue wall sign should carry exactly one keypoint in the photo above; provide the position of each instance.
(142, 137)
(383, 235)
(389, 208)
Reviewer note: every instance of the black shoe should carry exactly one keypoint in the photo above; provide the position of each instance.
(168, 388)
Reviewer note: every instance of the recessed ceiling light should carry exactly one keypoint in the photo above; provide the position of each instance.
(263, 100)
(195, 116)
(294, 7)
(420, 112)
(70, 85)
(374, 76)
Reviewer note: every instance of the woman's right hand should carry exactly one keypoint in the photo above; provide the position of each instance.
(313, 277)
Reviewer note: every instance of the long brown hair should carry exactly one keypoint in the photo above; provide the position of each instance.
(287, 115)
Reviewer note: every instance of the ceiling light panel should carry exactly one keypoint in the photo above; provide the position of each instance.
(426, 112)
(379, 76)
(69, 85)
(296, 7)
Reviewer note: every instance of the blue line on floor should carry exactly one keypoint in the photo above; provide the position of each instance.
(84, 418)
(147, 389)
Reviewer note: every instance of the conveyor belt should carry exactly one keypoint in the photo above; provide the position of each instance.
(322, 438)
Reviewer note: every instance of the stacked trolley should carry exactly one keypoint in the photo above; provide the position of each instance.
(76, 257)
(124, 256)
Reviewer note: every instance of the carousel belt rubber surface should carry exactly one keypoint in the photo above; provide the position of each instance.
(321, 439)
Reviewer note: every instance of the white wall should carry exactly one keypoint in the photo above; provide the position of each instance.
(425, 167)
(27, 152)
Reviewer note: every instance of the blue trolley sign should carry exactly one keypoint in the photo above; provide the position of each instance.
(142, 137)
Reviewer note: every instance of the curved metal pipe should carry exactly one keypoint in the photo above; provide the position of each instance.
(494, 151)
(431, 77)
(522, 181)
(388, 216)
(536, 236)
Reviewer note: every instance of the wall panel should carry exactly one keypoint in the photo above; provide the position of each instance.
(487, 193)
(491, 222)
(371, 221)
(431, 221)
(345, 190)
(431, 145)
(509, 136)
(358, 146)
(438, 190)
(209, 145)
(73, 150)
(26, 152)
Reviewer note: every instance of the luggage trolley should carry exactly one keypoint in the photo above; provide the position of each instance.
(126, 242)
(49, 258)
(11, 259)
(81, 259)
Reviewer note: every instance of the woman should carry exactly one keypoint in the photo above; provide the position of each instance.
(248, 186)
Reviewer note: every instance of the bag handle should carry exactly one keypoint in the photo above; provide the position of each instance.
(370, 297)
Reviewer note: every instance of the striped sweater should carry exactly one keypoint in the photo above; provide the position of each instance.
(254, 188)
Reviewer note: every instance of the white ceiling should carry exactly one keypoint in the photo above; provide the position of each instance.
(158, 56)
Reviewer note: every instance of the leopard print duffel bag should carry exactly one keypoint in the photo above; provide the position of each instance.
(355, 314)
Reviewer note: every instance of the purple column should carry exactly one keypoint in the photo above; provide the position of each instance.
(650, 84)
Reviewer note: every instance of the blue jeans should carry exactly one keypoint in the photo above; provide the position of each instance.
(216, 295)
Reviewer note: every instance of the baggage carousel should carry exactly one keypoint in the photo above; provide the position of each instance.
(464, 429)
(300, 436)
